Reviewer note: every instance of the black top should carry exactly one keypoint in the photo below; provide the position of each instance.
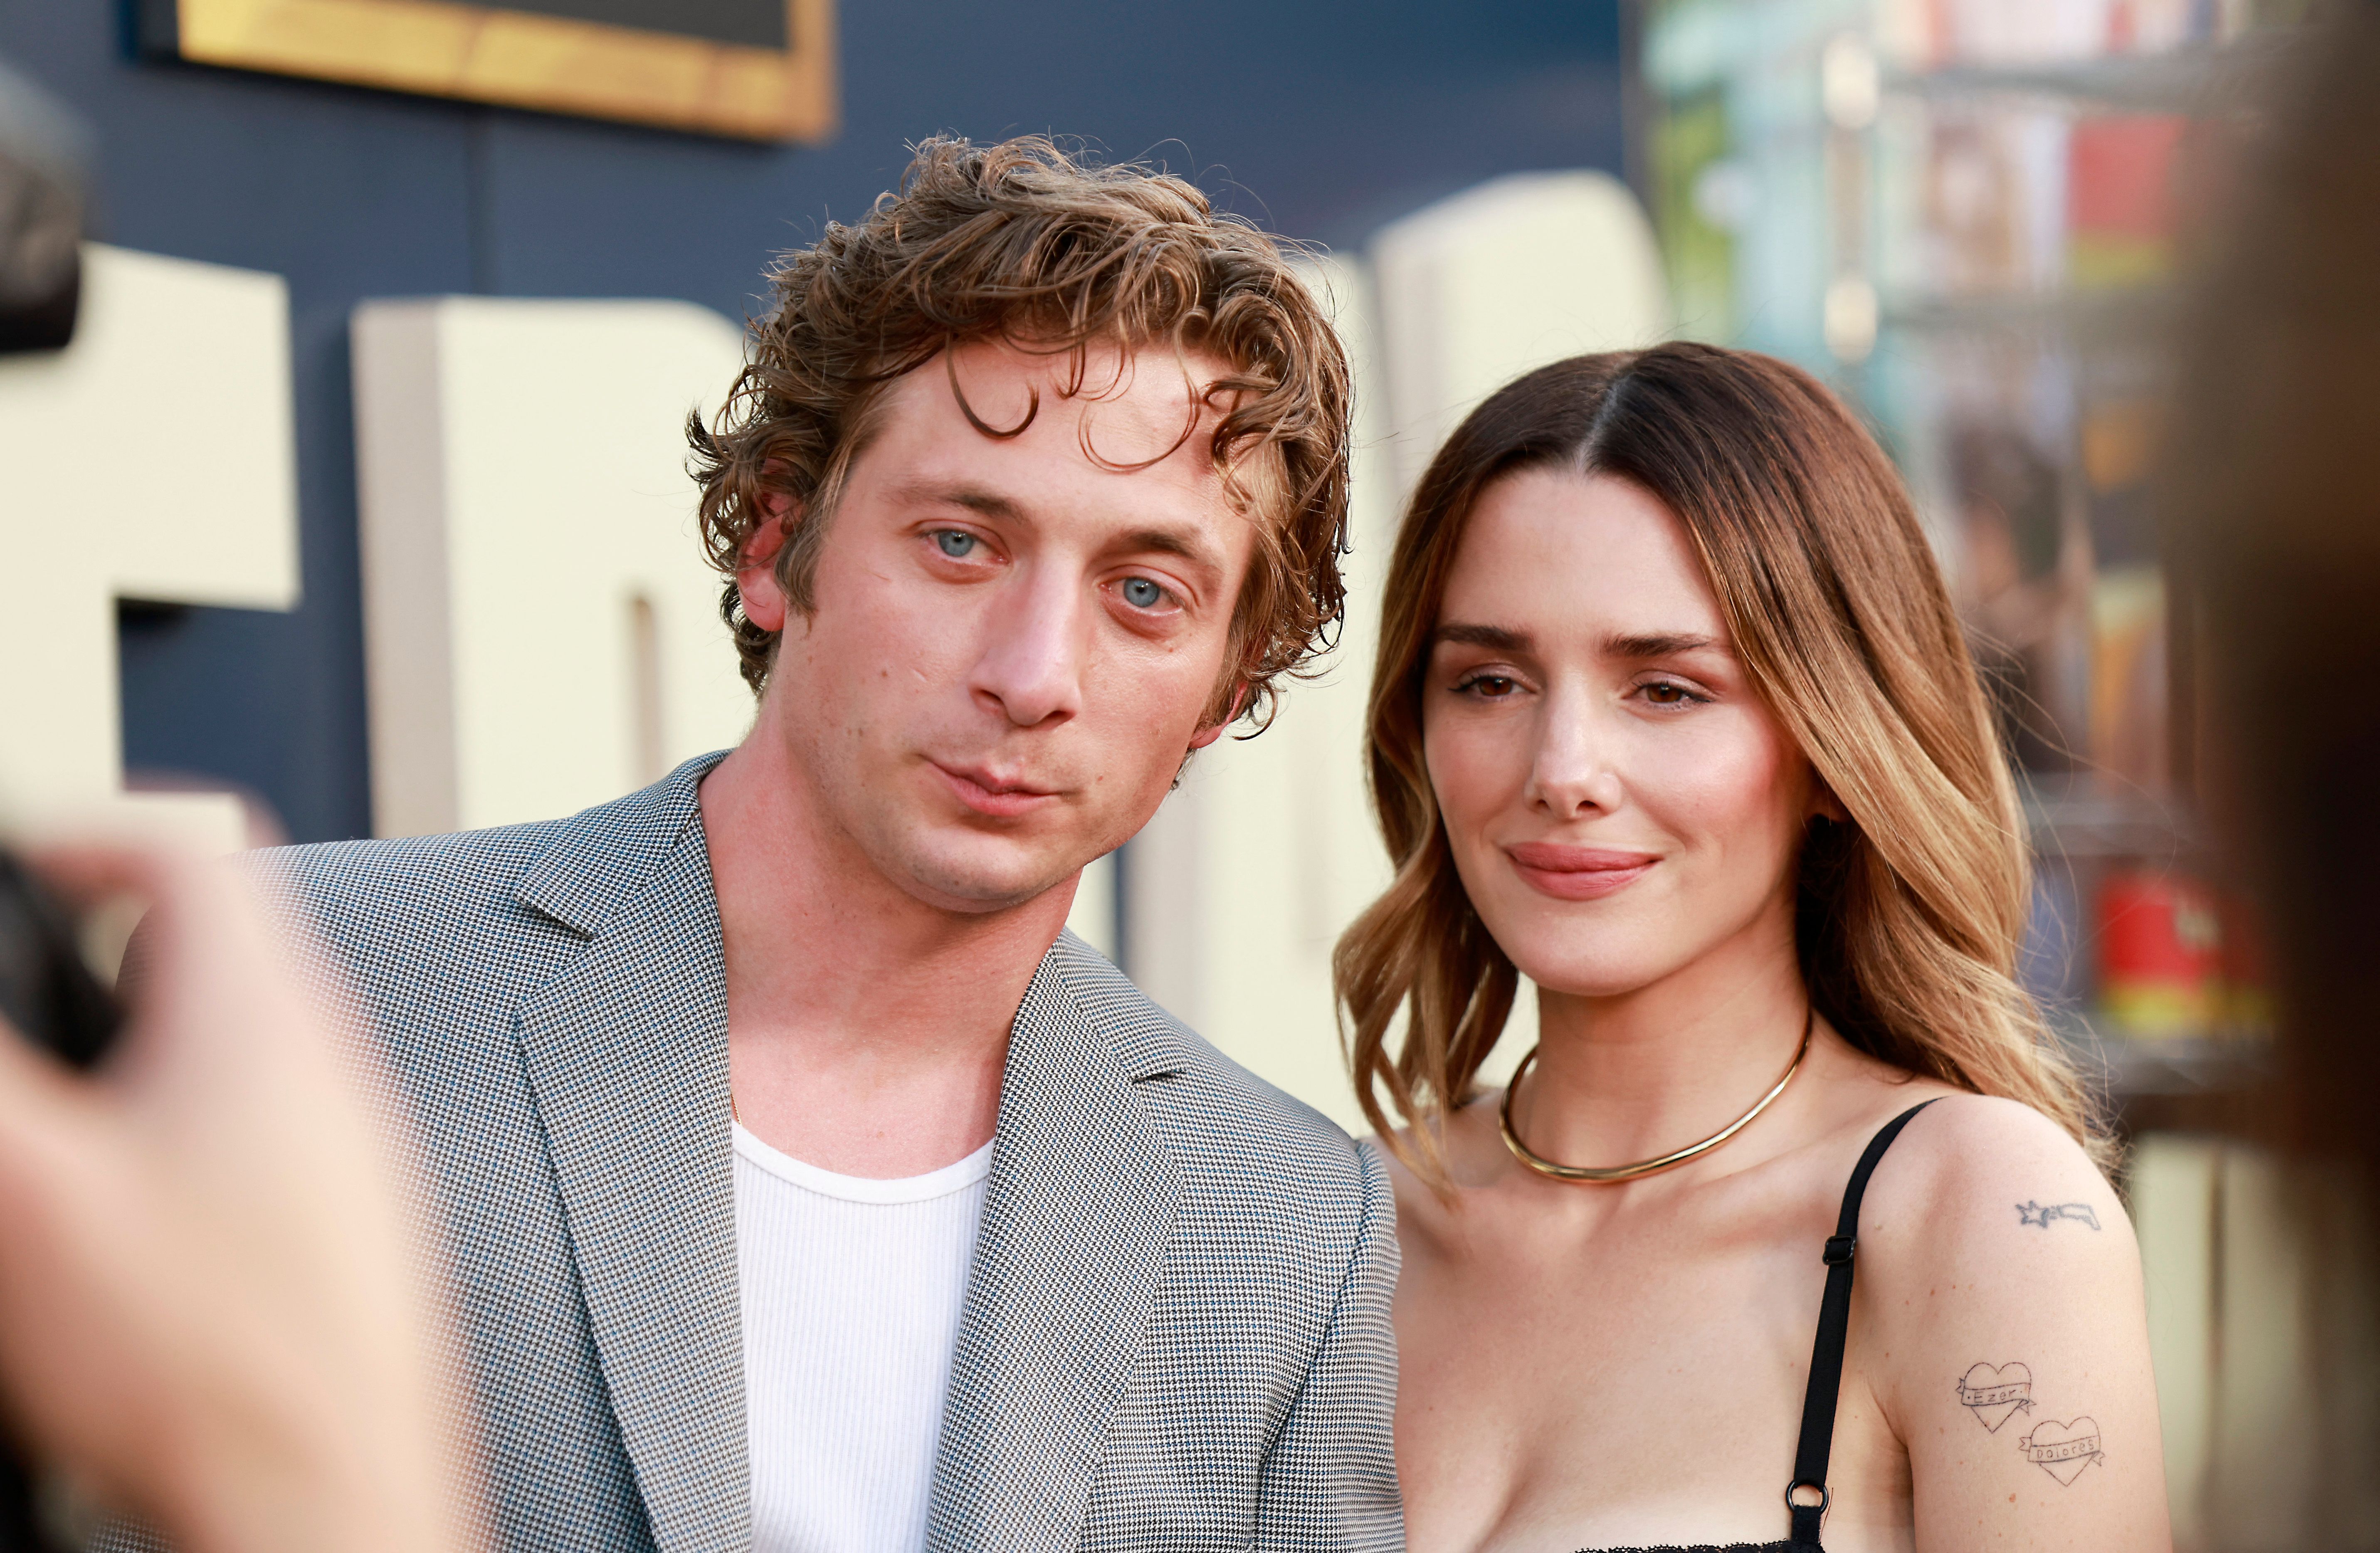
(1825, 1372)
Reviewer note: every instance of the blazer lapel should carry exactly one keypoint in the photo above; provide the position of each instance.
(626, 1053)
(1077, 1217)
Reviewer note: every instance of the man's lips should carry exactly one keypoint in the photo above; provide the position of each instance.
(1577, 873)
(987, 792)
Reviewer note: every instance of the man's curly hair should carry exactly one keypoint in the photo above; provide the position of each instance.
(1026, 244)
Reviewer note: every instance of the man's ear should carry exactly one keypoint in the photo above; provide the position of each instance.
(765, 603)
(1206, 736)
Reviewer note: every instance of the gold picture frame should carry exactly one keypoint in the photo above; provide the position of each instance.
(524, 59)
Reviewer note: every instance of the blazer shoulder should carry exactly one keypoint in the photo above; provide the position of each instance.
(1219, 1115)
(575, 870)
(425, 881)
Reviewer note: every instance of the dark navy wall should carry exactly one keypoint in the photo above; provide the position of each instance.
(1319, 118)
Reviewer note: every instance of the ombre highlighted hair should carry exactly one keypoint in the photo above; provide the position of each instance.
(1909, 913)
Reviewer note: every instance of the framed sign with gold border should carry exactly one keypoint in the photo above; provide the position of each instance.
(754, 69)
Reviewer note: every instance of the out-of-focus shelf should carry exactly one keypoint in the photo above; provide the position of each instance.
(2179, 80)
(2083, 312)
(2195, 1066)
(2133, 1068)
(2075, 817)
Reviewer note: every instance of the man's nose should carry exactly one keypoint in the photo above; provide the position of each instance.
(1033, 646)
(1574, 770)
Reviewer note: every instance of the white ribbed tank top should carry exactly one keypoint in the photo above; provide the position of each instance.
(852, 1290)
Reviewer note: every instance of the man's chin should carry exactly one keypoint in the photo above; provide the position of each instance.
(978, 879)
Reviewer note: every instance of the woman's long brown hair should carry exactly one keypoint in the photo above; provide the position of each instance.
(1909, 913)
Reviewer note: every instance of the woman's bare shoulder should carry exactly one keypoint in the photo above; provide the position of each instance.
(1974, 1161)
(1999, 1309)
(1469, 1154)
(1985, 1218)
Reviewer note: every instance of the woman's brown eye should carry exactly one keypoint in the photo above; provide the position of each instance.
(1492, 687)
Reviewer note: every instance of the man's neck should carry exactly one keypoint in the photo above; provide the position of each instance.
(868, 1029)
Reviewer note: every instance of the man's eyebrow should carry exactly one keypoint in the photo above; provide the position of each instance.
(1660, 644)
(1170, 541)
(1186, 544)
(991, 504)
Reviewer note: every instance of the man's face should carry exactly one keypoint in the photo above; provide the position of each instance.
(1013, 646)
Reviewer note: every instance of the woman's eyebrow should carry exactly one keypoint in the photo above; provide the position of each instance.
(1660, 644)
(1497, 636)
(1632, 643)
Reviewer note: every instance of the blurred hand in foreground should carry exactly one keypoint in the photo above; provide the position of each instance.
(209, 1315)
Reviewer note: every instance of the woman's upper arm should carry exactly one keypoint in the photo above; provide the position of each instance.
(2011, 1350)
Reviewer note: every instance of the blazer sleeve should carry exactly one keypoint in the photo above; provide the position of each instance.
(1330, 1480)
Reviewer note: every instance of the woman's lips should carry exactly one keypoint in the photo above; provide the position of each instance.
(987, 793)
(1577, 873)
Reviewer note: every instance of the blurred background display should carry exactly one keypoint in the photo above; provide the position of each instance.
(359, 499)
(1967, 214)
(1971, 217)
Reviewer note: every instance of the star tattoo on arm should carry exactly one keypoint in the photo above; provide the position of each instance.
(2043, 1216)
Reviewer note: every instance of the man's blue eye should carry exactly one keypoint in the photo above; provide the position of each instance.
(1141, 593)
(956, 544)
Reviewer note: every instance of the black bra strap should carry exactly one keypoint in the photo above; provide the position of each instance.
(1826, 1360)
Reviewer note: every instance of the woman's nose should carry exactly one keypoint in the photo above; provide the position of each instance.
(1573, 773)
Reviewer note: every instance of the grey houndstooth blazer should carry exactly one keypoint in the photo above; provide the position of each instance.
(1176, 1329)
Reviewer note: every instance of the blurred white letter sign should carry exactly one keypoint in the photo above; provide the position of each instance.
(542, 631)
(154, 458)
(1501, 279)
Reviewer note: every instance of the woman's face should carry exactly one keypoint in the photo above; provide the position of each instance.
(1619, 802)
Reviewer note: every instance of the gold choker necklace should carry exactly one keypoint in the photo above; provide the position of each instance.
(1605, 1174)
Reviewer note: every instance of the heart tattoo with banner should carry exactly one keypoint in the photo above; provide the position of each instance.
(2063, 1450)
(1993, 1391)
